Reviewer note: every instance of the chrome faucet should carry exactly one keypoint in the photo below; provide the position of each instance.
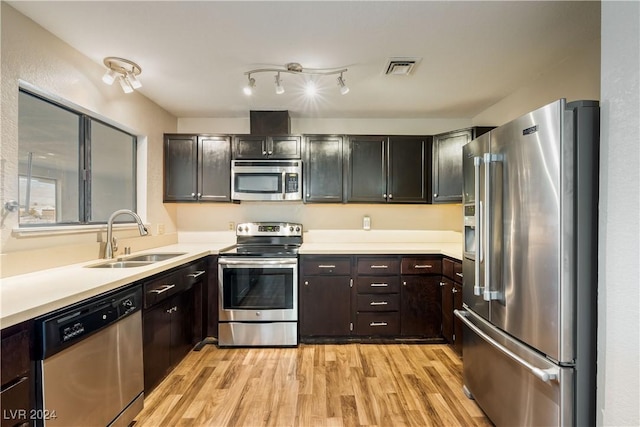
(112, 244)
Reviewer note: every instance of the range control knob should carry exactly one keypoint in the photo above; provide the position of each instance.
(240, 228)
(298, 229)
(291, 229)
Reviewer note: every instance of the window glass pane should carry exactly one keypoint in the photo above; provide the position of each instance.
(48, 162)
(112, 172)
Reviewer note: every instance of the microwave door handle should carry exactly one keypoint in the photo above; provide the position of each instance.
(477, 289)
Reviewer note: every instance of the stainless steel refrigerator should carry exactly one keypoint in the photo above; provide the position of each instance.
(530, 198)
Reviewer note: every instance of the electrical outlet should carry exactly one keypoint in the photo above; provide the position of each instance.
(366, 222)
(160, 229)
(232, 225)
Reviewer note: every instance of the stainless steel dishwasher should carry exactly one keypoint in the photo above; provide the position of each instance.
(89, 368)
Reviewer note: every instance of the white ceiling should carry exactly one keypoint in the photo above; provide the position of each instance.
(194, 54)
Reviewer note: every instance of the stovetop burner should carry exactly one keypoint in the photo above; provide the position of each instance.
(266, 240)
(263, 251)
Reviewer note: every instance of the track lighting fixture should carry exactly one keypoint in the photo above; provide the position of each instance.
(251, 83)
(344, 89)
(279, 88)
(295, 68)
(124, 71)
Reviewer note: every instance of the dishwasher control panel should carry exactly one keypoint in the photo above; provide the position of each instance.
(68, 325)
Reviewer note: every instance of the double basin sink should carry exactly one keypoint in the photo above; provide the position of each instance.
(136, 261)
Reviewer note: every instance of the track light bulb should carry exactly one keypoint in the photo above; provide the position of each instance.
(344, 89)
(310, 89)
(109, 77)
(125, 85)
(248, 89)
(279, 88)
(133, 80)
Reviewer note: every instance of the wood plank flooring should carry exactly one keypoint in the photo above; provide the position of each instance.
(315, 385)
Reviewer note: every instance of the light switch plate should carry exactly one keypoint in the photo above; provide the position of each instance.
(366, 222)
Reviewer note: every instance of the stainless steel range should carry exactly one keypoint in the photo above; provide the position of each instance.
(258, 286)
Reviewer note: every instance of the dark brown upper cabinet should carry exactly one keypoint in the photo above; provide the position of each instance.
(393, 169)
(266, 147)
(197, 168)
(447, 163)
(322, 164)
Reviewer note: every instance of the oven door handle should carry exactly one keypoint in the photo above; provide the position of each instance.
(256, 262)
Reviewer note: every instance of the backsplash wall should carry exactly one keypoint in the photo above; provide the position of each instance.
(217, 217)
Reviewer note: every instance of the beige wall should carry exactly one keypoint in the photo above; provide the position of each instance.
(31, 54)
(577, 77)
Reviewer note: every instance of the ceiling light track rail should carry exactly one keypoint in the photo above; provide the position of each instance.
(295, 68)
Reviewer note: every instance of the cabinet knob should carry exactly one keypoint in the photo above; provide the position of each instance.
(442, 283)
(264, 153)
(199, 195)
(384, 195)
(404, 283)
(193, 194)
(435, 194)
(270, 152)
(306, 283)
(391, 196)
(454, 291)
(308, 195)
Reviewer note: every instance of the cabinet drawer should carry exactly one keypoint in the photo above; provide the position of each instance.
(378, 302)
(378, 284)
(194, 273)
(378, 266)
(421, 265)
(335, 266)
(15, 403)
(457, 272)
(15, 352)
(378, 323)
(161, 288)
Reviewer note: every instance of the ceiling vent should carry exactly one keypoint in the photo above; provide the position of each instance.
(401, 66)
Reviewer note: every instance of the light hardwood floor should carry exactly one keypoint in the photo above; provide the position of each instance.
(315, 385)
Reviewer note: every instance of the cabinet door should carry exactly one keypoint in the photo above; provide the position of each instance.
(214, 177)
(180, 168)
(447, 166)
(283, 147)
(325, 306)
(181, 326)
(421, 307)
(447, 309)
(16, 374)
(323, 169)
(457, 323)
(249, 147)
(156, 343)
(409, 169)
(367, 176)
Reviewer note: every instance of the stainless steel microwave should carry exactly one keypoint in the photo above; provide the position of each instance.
(266, 180)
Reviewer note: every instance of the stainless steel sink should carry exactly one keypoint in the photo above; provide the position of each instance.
(121, 264)
(153, 257)
(136, 261)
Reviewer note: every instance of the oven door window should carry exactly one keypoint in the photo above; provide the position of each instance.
(258, 288)
(263, 183)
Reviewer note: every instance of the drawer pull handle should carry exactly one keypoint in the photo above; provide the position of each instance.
(380, 266)
(196, 274)
(378, 324)
(326, 266)
(378, 303)
(423, 266)
(459, 274)
(14, 383)
(162, 289)
(379, 285)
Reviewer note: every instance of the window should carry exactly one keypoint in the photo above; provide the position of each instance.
(73, 169)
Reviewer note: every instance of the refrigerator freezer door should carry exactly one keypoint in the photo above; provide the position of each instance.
(525, 218)
(514, 385)
(473, 196)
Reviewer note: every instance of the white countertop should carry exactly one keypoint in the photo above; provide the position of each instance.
(31, 295)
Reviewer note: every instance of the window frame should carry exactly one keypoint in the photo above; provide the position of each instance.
(85, 178)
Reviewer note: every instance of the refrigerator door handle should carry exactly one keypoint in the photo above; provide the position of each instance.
(477, 289)
(488, 293)
(545, 375)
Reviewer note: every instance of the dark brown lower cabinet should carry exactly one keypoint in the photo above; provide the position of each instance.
(325, 306)
(421, 306)
(168, 336)
(15, 395)
(451, 286)
(447, 309)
